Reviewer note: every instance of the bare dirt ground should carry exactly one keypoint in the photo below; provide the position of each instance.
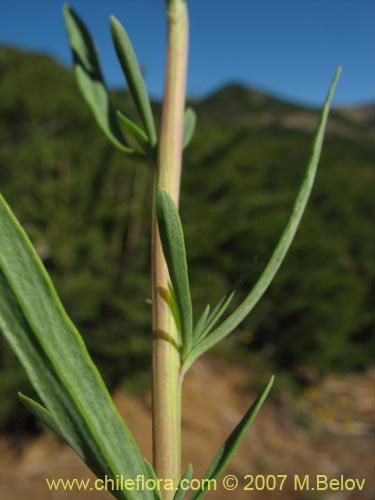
(328, 430)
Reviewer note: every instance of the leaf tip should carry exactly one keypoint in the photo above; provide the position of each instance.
(113, 22)
(116, 29)
(337, 74)
(68, 12)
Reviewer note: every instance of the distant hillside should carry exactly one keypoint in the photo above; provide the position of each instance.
(87, 210)
(237, 104)
(363, 115)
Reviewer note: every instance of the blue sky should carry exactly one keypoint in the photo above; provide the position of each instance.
(288, 47)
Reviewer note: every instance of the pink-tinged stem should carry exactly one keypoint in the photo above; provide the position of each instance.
(166, 381)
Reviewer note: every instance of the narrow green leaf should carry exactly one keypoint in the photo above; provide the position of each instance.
(281, 249)
(90, 80)
(57, 363)
(42, 413)
(186, 478)
(217, 312)
(190, 122)
(137, 132)
(172, 239)
(228, 449)
(207, 323)
(66, 418)
(152, 475)
(201, 324)
(68, 436)
(133, 74)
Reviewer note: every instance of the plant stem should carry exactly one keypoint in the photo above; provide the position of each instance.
(166, 381)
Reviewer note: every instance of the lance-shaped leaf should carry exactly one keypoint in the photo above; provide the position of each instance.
(190, 122)
(214, 316)
(208, 320)
(137, 133)
(133, 74)
(201, 324)
(76, 402)
(90, 80)
(44, 415)
(226, 452)
(71, 430)
(152, 475)
(65, 419)
(172, 239)
(40, 412)
(184, 482)
(281, 249)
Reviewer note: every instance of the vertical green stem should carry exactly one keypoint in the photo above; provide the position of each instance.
(166, 383)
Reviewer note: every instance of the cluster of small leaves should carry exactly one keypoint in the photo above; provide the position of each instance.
(76, 403)
(207, 333)
(91, 83)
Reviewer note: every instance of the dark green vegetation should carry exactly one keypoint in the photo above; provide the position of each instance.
(87, 210)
